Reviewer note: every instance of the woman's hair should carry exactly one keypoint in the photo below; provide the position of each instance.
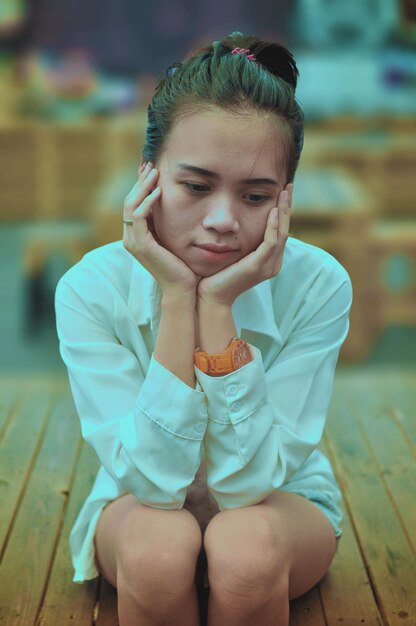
(213, 77)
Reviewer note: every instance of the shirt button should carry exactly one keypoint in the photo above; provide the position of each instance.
(232, 390)
(236, 406)
(199, 428)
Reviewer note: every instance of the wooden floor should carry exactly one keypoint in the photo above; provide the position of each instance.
(46, 471)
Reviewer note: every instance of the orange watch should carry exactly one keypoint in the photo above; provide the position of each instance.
(236, 355)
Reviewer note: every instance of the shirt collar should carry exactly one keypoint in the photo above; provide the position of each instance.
(253, 311)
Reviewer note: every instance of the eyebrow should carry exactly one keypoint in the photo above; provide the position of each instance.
(210, 174)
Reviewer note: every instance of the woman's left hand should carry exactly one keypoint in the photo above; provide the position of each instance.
(261, 264)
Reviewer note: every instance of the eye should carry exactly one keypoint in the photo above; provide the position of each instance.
(257, 198)
(192, 187)
(198, 189)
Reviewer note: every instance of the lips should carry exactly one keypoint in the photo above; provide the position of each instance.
(213, 247)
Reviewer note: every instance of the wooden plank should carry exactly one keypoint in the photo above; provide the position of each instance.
(393, 453)
(400, 398)
(397, 386)
(66, 602)
(19, 448)
(369, 411)
(346, 590)
(307, 610)
(384, 545)
(9, 395)
(32, 543)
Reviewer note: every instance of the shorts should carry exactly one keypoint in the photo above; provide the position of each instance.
(201, 575)
(314, 480)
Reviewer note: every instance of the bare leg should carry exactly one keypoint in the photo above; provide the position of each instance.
(150, 555)
(262, 556)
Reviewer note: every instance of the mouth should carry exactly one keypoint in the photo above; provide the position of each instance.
(215, 253)
(215, 247)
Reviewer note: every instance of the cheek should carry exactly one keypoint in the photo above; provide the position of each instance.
(160, 210)
(169, 222)
(255, 232)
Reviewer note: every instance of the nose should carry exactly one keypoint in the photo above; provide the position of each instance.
(221, 217)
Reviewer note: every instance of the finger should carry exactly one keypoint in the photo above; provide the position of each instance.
(270, 235)
(284, 216)
(151, 227)
(289, 188)
(277, 227)
(142, 212)
(143, 171)
(150, 174)
(276, 234)
(135, 233)
(140, 190)
(141, 168)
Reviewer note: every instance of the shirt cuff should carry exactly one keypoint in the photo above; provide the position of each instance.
(172, 404)
(235, 396)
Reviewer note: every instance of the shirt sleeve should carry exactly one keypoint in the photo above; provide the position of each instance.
(146, 427)
(263, 425)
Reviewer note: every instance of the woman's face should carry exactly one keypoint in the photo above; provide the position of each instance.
(220, 174)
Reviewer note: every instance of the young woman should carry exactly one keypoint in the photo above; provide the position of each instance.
(201, 352)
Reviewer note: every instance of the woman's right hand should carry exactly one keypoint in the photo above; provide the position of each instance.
(140, 239)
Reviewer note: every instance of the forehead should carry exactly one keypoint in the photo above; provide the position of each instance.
(218, 136)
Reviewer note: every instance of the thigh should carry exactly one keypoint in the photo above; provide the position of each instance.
(311, 542)
(126, 521)
(295, 534)
(105, 535)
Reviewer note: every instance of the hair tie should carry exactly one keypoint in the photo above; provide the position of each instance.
(246, 52)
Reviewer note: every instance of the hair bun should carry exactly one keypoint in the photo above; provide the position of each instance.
(278, 61)
(273, 56)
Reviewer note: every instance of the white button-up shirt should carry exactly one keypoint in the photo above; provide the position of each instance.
(239, 436)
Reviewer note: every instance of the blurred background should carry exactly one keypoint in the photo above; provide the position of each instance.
(75, 81)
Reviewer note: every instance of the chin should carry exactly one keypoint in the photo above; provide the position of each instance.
(198, 270)
(205, 270)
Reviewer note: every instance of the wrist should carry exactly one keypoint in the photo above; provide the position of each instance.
(216, 326)
(182, 301)
(205, 305)
(236, 355)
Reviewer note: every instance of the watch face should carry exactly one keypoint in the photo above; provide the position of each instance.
(242, 355)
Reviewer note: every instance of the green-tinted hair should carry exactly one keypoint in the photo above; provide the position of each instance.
(213, 77)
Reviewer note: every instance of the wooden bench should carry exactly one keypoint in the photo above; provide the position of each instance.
(46, 471)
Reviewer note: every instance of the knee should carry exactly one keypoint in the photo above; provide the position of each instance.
(245, 561)
(157, 553)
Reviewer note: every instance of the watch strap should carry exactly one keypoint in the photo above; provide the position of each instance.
(215, 363)
(218, 363)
